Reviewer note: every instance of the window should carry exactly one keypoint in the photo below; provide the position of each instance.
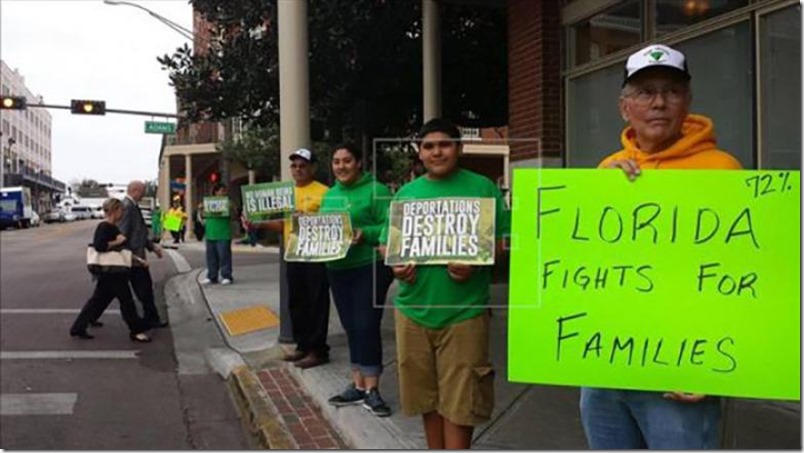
(725, 95)
(606, 33)
(780, 89)
(673, 15)
(5, 127)
(594, 117)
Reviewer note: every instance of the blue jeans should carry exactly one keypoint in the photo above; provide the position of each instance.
(359, 295)
(219, 256)
(629, 419)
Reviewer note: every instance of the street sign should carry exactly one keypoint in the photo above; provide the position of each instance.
(156, 127)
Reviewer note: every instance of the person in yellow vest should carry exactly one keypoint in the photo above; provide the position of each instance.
(177, 211)
(308, 288)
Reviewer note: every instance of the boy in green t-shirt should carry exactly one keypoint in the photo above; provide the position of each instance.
(218, 232)
(442, 318)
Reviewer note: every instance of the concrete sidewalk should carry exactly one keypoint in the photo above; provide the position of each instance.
(288, 408)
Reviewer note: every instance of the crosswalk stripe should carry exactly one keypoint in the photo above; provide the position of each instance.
(47, 311)
(27, 355)
(37, 403)
(181, 263)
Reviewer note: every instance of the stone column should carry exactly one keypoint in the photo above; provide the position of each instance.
(189, 207)
(431, 60)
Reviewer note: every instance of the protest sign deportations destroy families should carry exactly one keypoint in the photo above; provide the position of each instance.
(678, 281)
(443, 230)
(319, 237)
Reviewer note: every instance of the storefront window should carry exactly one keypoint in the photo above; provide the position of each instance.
(721, 66)
(672, 15)
(780, 89)
(594, 122)
(606, 33)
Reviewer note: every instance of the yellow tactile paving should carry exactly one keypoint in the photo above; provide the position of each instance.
(248, 319)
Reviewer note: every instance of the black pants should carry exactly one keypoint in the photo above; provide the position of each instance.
(308, 298)
(359, 295)
(108, 288)
(143, 288)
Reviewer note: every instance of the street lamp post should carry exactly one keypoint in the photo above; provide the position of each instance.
(176, 27)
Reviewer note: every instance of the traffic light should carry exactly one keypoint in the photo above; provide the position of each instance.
(214, 177)
(81, 107)
(13, 103)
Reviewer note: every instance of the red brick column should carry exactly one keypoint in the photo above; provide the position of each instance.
(534, 77)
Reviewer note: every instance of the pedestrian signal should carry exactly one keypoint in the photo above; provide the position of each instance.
(88, 107)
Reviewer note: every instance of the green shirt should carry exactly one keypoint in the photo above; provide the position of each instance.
(435, 300)
(367, 202)
(217, 229)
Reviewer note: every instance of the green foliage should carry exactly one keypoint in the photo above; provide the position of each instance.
(365, 66)
(89, 188)
(257, 148)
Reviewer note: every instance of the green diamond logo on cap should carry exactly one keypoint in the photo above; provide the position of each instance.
(657, 54)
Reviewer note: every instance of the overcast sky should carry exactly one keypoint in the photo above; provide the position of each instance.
(85, 49)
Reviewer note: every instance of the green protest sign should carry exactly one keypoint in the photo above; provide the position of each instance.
(173, 222)
(678, 281)
(263, 201)
(441, 231)
(216, 207)
(319, 237)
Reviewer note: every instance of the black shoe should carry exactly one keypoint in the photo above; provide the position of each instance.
(375, 404)
(294, 356)
(83, 335)
(310, 361)
(95, 324)
(139, 338)
(158, 324)
(352, 395)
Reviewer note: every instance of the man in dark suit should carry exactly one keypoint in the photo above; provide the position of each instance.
(133, 227)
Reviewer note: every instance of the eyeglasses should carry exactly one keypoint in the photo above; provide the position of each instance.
(644, 96)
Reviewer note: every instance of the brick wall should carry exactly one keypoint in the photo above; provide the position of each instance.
(534, 77)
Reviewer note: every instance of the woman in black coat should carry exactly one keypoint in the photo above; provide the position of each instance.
(110, 285)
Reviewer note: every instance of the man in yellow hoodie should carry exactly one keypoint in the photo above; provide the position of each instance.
(661, 134)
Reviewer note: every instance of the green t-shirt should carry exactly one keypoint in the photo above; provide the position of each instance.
(217, 229)
(435, 300)
(367, 202)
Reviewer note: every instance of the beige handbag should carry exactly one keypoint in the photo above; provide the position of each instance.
(108, 262)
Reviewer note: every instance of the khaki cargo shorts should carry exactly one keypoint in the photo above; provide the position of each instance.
(446, 370)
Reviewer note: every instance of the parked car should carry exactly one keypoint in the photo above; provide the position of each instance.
(56, 215)
(70, 217)
(82, 212)
(97, 212)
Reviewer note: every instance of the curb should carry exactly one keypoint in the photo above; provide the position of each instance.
(257, 412)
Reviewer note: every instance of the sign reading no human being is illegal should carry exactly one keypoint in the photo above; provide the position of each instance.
(216, 207)
(263, 201)
(319, 237)
(441, 231)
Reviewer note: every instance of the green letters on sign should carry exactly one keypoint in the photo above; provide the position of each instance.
(682, 280)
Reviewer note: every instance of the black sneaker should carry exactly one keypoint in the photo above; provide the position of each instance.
(347, 397)
(375, 404)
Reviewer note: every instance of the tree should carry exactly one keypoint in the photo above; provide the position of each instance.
(256, 149)
(89, 188)
(365, 66)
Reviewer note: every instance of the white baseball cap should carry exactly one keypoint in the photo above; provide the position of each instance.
(656, 55)
(303, 153)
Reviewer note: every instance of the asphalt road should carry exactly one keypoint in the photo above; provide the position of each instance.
(108, 393)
